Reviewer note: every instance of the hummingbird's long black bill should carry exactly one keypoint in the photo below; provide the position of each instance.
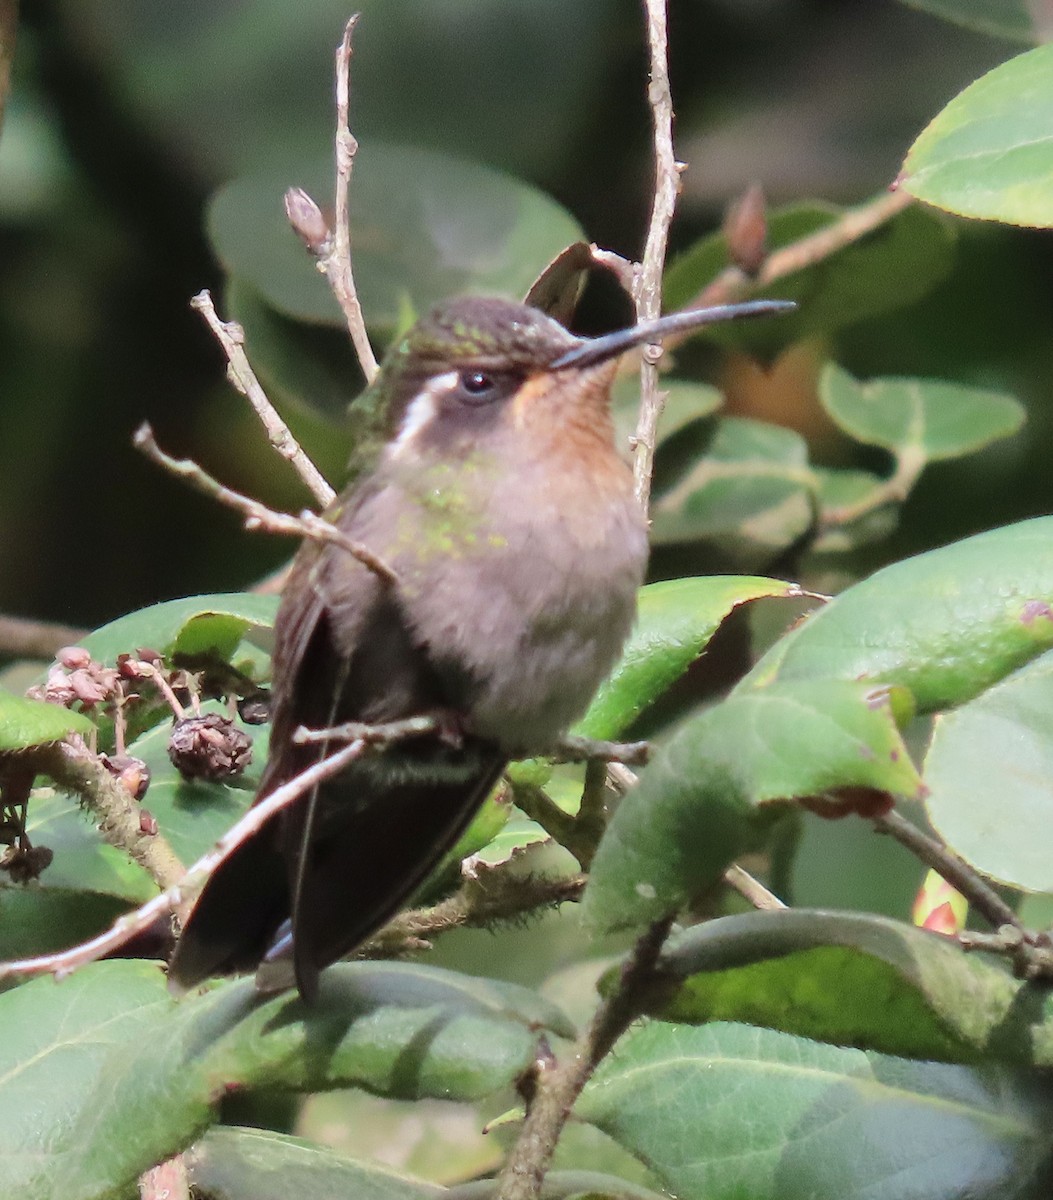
(593, 351)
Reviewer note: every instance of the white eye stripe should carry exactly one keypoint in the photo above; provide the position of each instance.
(422, 409)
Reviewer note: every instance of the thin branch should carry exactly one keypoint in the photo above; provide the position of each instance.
(336, 265)
(231, 337)
(648, 291)
(946, 863)
(558, 1088)
(501, 893)
(8, 31)
(257, 516)
(734, 284)
(23, 638)
(188, 883)
(572, 749)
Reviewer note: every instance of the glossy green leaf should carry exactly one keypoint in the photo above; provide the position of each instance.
(989, 774)
(675, 621)
(723, 1112)
(234, 1164)
(25, 723)
(989, 152)
(1003, 18)
(707, 797)
(106, 1074)
(892, 267)
(856, 980)
(424, 225)
(751, 495)
(194, 625)
(946, 624)
(928, 419)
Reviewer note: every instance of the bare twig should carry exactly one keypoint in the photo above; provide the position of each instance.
(734, 284)
(186, 884)
(648, 291)
(23, 638)
(231, 337)
(8, 30)
(558, 1088)
(373, 735)
(945, 862)
(258, 516)
(500, 893)
(572, 748)
(336, 265)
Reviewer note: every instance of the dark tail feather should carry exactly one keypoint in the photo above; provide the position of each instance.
(244, 900)
(361, 872)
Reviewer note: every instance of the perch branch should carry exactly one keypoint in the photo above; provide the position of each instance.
(946, 863)
(257, 516)
(231, 338)
(559, 1087)
(648, 289)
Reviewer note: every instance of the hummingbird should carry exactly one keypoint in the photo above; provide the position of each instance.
(498, 498)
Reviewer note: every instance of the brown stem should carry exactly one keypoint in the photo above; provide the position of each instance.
(648, 290)
(946, 863)
(337, 263)
(231, 337)
(75, 769)
(257, 516)
(734, 284)
(23, 638)
(557, 1089)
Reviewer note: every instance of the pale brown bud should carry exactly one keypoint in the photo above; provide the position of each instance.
(746, 230)
(307, 221)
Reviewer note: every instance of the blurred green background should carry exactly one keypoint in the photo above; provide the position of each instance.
(126, 114)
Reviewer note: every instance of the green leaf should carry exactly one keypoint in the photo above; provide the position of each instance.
(927, 419)
(25, 723)
(707, 797)
(989, 774)
(752, 494)
(232, 1164)
(989, 153)
(890, 268)
(424, 225)
(946, 624)
(43, 919)
(194, 625)
(854, 510)
(856, 980)
(675, 621)
(105, 1074)
(1001, 18)
(83, 862)
(723, 1112)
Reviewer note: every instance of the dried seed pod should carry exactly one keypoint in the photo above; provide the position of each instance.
(209, 747)
(24, 863)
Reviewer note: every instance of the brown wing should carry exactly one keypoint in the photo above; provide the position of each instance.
(338, 863)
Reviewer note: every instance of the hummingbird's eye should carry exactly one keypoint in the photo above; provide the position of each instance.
(476, 383)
